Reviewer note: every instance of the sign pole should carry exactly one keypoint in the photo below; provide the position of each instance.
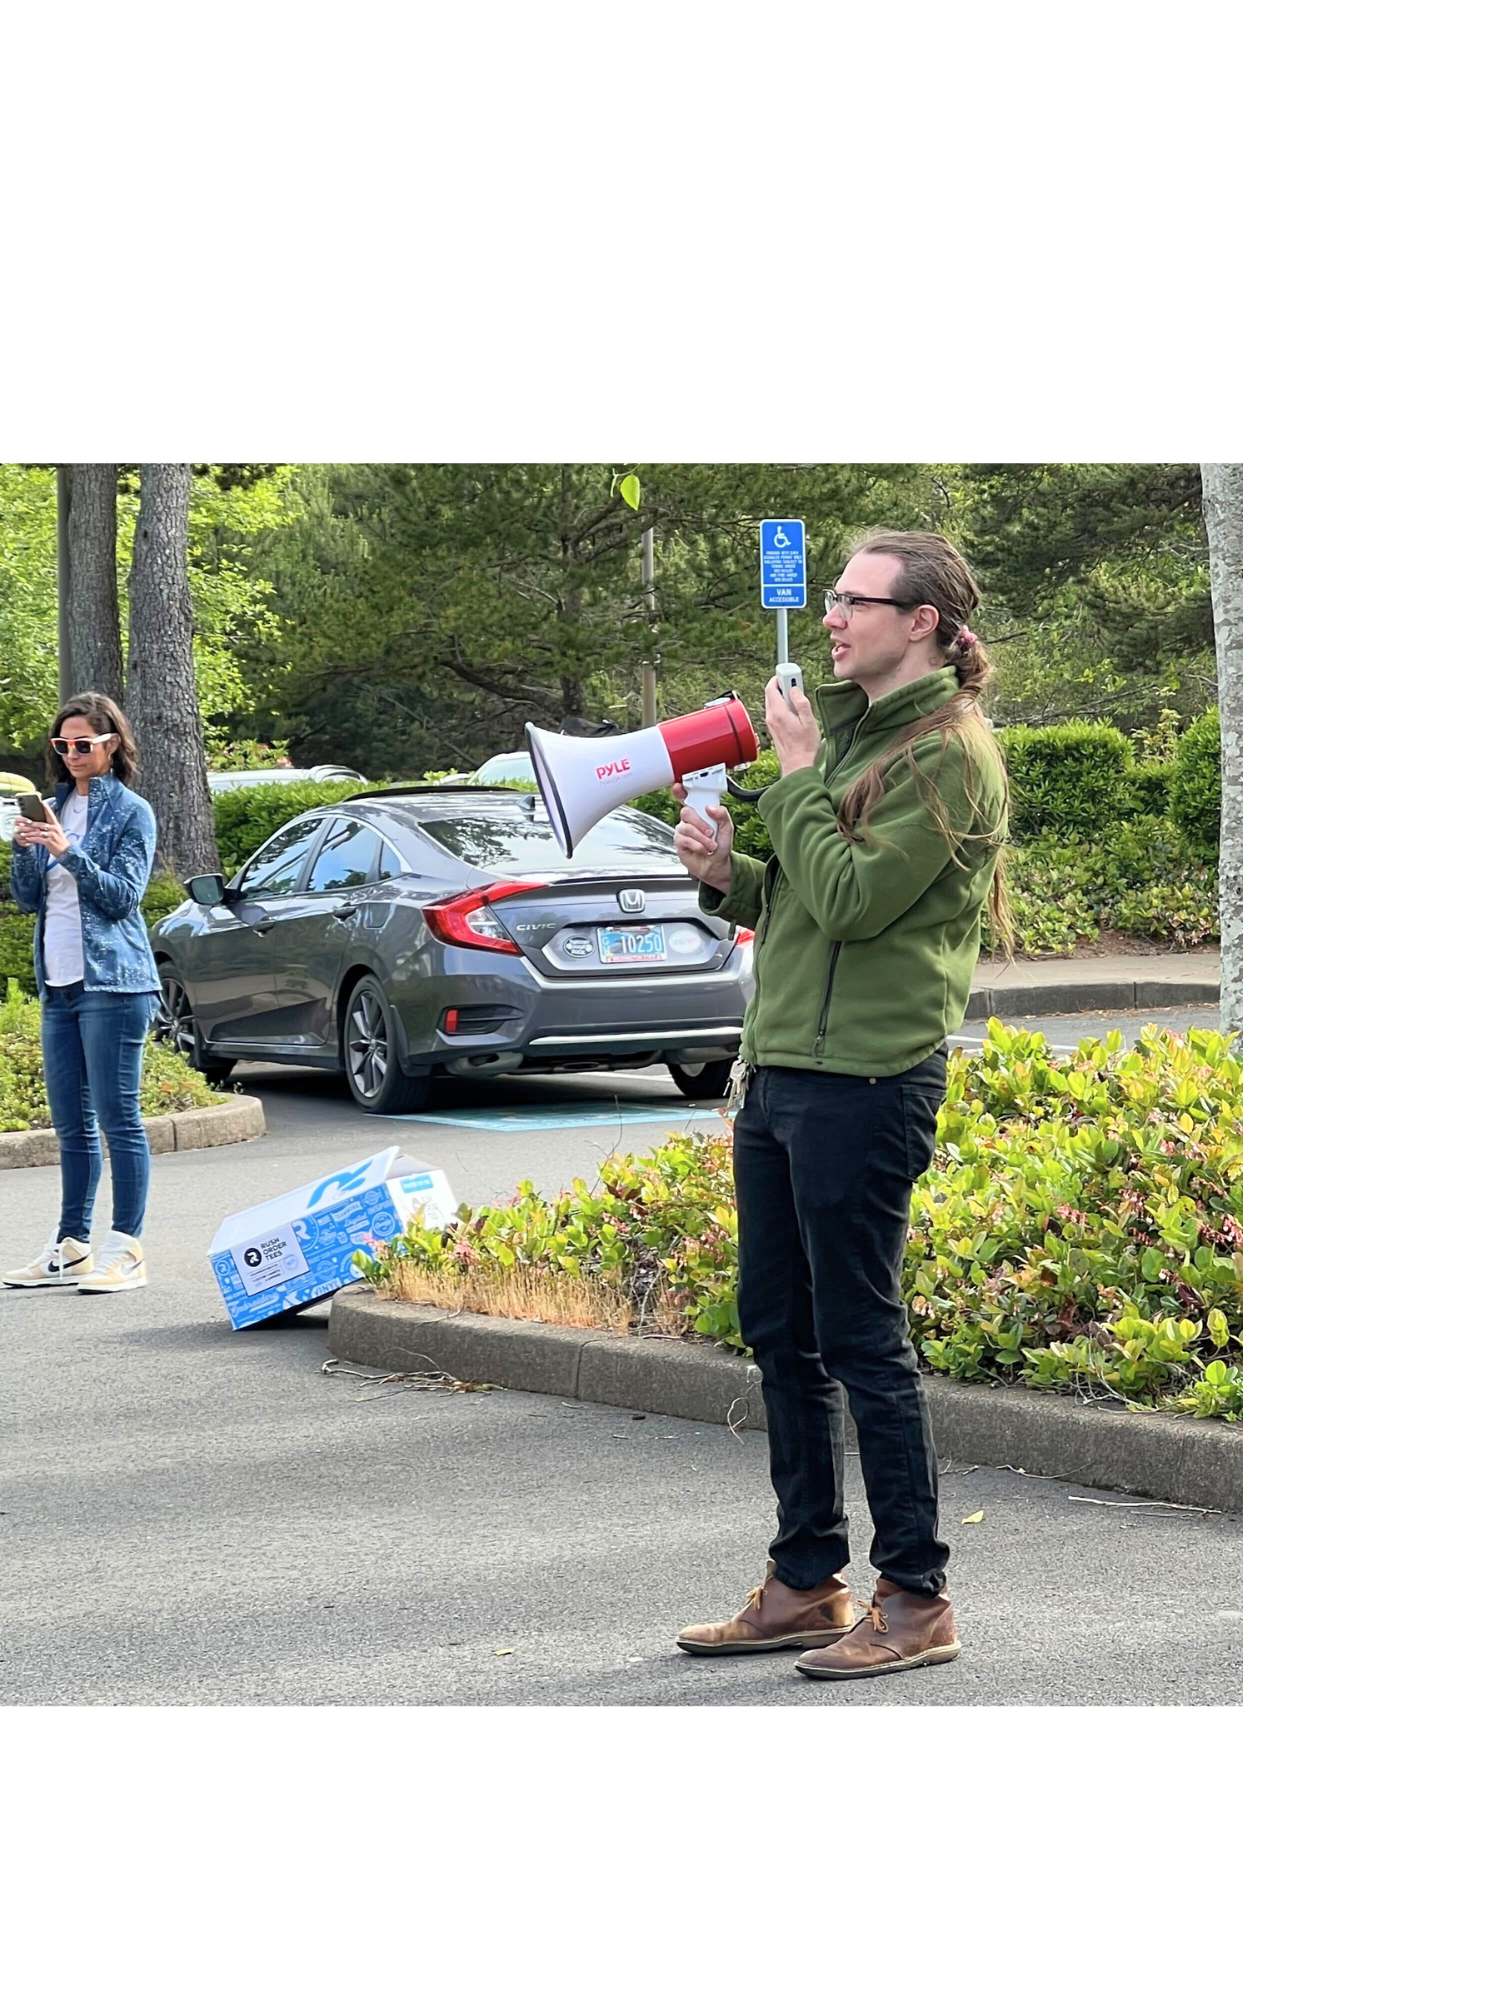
(784, 573)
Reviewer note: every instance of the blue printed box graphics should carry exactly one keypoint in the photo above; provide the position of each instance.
(299, 1248)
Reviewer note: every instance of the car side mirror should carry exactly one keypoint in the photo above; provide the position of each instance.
(207, 889)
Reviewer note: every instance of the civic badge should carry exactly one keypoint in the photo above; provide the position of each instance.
(632, 901)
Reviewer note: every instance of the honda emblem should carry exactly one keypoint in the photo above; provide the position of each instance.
(632, 901)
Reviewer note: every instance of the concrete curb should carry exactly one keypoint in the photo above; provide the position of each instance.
(1157, 1456)
(239, 1119)
(1087, 997)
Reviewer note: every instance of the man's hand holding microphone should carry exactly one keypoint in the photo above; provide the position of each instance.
(704, 850)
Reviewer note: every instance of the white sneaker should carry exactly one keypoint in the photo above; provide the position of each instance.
(119, 1266)
(63, 1265)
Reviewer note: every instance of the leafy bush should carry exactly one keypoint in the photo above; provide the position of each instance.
(1150, 788)
(1144, 877)
(1197, 784)
(169, 1085)
(1067, 779)
(1079, 1228)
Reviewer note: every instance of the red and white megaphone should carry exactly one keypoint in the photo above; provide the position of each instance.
(584, 776)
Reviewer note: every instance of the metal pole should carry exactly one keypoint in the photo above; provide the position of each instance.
(782, 656)
(65, 653)
(648, 583)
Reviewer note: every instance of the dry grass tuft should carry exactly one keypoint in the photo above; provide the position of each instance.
(539, 1294)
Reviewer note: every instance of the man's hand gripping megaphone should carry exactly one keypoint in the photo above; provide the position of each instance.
(704, 831)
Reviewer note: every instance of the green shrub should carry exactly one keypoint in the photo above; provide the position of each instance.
(245, 818)
(169, 1085)
(1143, 877)
(1150, 788)
(1069, 779)
(1197, 784)
(1080, 1227)
(1184, 913)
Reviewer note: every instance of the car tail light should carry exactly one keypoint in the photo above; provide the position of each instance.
(465, 920)
(744, 935)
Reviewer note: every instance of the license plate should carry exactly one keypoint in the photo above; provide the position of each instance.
(621, 947)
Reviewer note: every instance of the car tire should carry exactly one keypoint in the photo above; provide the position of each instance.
(375, 1076)
(705, 1081)
(174, 1025)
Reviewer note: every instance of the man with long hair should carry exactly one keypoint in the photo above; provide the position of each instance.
(887, 825)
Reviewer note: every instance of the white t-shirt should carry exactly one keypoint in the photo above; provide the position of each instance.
(62, 935)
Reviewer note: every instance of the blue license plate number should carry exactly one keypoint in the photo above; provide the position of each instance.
(621, 947)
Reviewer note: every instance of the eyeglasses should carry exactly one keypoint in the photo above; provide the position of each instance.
(847, 604)
(82, 747)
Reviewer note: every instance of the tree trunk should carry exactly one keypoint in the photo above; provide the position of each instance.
(164, 703)
(1223, 514)
(94, 608)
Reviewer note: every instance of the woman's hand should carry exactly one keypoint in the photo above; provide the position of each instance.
(43, 833)
(794, 731)
(705, 855)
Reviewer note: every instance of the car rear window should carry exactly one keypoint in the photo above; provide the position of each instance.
(487, 839)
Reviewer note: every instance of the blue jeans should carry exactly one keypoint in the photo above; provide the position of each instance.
(92, 1062)
(825, 1165)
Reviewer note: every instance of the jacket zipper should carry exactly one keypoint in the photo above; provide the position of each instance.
(829, 988)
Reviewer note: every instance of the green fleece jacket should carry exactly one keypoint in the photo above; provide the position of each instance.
(865, 949)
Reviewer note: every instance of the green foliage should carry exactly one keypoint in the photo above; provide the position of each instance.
(232, 615)
(1142, 877)
(1096, 578)
(169, 1085)
(1067, 779)
(1197, 784)
(246, 817)
(1150, 787)
(1079, 1228)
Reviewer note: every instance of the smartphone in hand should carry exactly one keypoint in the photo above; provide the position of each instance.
(30, 806)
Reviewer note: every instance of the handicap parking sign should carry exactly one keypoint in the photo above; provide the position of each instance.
(784, 582)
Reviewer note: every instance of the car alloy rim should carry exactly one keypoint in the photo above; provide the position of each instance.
(175, 1023)
(367, 1045)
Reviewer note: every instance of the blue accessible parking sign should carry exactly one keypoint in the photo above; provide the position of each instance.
(784, 583)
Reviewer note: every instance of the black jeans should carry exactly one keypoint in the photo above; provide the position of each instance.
(824, 1168)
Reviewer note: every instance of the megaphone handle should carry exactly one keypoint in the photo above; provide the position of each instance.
(705, 788)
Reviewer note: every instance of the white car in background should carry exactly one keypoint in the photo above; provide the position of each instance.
(317, 773)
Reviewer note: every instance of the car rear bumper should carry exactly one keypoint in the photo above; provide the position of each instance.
(522, 1022)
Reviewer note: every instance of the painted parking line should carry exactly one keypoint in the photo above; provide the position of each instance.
(568, 1116)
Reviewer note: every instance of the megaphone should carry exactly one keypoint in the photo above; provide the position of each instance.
(583, 777)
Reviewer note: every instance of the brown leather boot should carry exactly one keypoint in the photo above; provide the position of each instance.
(776, 1617)
(900, 1629)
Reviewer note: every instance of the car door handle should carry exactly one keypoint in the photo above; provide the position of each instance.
(346, 913)
(266, 926)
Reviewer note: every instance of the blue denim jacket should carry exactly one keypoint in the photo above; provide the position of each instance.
(112, 865)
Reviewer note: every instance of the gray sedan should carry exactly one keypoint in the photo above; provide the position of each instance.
(414, 931)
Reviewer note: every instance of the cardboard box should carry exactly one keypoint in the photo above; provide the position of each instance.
(299, 1248)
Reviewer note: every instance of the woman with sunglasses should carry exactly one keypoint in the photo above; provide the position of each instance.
(83, 870)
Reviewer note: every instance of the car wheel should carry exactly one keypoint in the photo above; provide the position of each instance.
(370, 1055)
(708, 1081)
(174, 1026)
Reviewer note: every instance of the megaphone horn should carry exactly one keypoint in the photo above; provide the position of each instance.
(584, 777)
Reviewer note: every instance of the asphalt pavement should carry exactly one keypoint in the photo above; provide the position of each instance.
(195, 1516)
